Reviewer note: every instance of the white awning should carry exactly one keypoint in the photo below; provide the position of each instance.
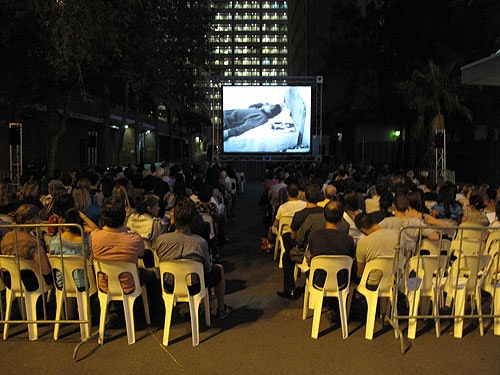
(484, 72)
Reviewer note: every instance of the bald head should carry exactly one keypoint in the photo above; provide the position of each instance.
(330, 192)
(334, 211)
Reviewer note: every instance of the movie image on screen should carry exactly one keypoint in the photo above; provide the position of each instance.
(266, 119)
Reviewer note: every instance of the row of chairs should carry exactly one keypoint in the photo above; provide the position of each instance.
(424, 279)
(182, 270)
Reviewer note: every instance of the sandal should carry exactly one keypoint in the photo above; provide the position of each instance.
(221, 314)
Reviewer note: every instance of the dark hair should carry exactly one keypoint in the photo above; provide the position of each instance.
(364, 221)
(143, 201)
(25, 212)
(491, 193)
(476, 201)
(334, 211)
(351, 200)
(113, 213)
(71, 216)
(184, 212)
(401, 202)
(62, 203)
(205, 193)
(313, 193)
(293, 190)
(275, 110)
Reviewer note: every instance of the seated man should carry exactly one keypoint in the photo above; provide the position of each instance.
(114, 242)
(182, 244)
(313, 194)
(287, 209)
(377, 242)
(332, 240)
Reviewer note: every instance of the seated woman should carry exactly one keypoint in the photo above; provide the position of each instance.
(474, 213)
(146, 223)
(28, 246)
(447, 207)
(70, 243)
(83, 203)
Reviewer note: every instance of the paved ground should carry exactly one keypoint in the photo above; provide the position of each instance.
(264, 335)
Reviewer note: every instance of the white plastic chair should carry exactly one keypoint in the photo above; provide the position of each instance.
(490, 283)
(313, 295)
(384, 265)
(462, 281)
(68, 264)
(113, 270)
(470, 239)
(241, 181)
(2, 288)
(14, 265)
(182, 270)
(424, 281)
(279, 247)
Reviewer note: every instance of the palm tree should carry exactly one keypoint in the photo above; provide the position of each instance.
(432, 94)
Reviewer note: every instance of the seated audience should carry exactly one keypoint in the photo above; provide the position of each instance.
(182, 244)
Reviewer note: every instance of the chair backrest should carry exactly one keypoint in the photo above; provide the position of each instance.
(207, 218)
(113, 269)
(14, 265)
(332, 265)
(72, 269)
(382, 269)
(490, 281)
(233, 185)
(431, 267)
(182, 270)
(469, 266)
(285, 222)
(493, 243)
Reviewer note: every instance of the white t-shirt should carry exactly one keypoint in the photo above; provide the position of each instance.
(290, 208)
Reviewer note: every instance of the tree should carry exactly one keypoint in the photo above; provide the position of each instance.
(431, 94)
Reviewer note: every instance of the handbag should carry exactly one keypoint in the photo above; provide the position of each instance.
(297, 254)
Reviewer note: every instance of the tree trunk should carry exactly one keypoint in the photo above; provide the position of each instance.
(61, 125)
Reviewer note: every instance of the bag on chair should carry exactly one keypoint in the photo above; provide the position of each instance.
(297, 254)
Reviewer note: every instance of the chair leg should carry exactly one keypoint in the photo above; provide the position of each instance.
(305, 307)
(343, 295)
(59, 304)
(128, 307)
(169, 306)
(83, 314)
(146, 305)
(9, 298)
(372, 300)
(31, 315)
(104, 304)
(496, 311)
(459, 310)
(195, 328)
(318, 304)
(206, 303)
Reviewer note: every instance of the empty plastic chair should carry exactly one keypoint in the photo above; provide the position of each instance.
(279, 247)
(490, 283)
(462, 281)
(314, 294)
(384, 267)
(241, 181)
(113, 270)
(16, 289)
(71, 268)
(423, 282)
(182, 271)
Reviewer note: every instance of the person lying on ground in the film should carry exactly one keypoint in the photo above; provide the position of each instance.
(238, 121)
